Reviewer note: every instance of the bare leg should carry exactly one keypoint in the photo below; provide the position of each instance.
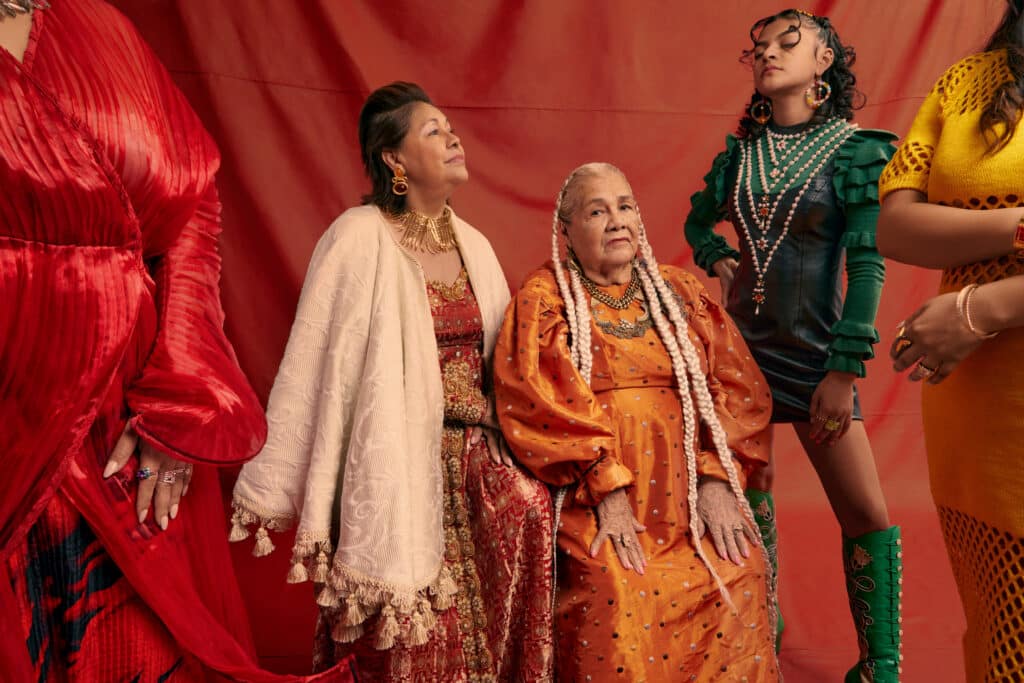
(848, 474)
(872, 552)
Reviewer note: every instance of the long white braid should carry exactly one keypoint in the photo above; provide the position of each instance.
(650, 276)
(563, 285)
(685, 364)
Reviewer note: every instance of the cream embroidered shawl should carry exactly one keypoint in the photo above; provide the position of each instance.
(355, 419)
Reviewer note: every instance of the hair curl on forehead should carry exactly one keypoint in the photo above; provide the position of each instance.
(846, 98)
(569, 198)
(821, 26)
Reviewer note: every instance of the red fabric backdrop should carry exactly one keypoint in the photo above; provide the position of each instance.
(534, 89)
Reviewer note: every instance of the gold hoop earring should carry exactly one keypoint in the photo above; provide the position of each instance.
(761, 111)
(817, 94)
(399, 184)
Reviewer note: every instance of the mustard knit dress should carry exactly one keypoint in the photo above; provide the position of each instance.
(974, 420)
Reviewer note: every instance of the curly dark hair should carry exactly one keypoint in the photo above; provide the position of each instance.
(845, 99)
(1000, 117)
(383, 124)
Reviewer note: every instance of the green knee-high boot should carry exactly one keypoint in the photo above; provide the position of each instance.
(873, 565)
(763, 505)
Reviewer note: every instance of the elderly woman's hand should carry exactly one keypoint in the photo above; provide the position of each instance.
(933, 340)
(718, 512)
(615, 521)
(162, 479)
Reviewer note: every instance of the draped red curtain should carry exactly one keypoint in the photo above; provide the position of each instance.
(534, 89)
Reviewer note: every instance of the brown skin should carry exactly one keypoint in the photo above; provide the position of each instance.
(14, 33)
(783, 71)
(604, 233)
(433, 160)
(911, 230)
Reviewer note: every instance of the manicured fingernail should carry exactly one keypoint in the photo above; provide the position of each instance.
(142, 515)
(163, 522)
(174, 511)
(109, 469)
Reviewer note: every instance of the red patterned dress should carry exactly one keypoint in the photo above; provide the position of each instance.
(109, 313)
(498, 539)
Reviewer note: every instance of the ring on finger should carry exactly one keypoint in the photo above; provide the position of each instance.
(833, 424)
(144, 473)
(170, 476)
(924, 371)
(902, 343)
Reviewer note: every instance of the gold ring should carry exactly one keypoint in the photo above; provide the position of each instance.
(832, 424)
(901, 344)
(927, 371)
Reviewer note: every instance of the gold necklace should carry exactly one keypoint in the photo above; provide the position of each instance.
(423, 233)
(623, 329)
(620, 303)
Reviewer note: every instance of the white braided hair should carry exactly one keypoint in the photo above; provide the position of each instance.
(692, 383)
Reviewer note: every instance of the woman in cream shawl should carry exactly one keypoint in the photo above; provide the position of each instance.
(429, 550)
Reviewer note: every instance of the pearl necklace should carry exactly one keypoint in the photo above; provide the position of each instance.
(838, 133)
(808, 140)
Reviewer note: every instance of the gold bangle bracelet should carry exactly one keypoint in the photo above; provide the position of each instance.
(963, 304)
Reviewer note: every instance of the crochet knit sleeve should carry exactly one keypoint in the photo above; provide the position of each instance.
(707, 208)
(911, 166)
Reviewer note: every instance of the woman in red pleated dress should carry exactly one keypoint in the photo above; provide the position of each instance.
(119, 392)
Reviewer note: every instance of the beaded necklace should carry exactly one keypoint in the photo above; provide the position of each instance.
(822, 143)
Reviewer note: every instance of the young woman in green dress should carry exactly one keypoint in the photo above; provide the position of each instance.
(798, 182)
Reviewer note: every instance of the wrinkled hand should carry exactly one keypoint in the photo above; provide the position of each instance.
(725, 269)
(165, 497)
(832, 405)
(939, 340)
(496, 446)
(615, 521)
(718, 512)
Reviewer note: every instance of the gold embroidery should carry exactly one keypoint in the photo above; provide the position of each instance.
(459, 553)
(860, 558)
(455, 291)
(463, 400)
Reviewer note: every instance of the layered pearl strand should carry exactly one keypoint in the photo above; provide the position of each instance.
(824, 142)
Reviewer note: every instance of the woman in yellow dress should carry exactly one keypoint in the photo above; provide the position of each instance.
(626, 384)
(964, 153)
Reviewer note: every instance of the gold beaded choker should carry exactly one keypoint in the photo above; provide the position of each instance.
(426, 234)
(620, 303)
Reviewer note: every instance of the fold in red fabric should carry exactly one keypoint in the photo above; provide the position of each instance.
(110, 311)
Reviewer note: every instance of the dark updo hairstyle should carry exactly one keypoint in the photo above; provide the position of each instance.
(1007, 102)
(383, 124)
(845, 97)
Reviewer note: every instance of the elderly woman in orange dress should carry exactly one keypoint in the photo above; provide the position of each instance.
(625, 384)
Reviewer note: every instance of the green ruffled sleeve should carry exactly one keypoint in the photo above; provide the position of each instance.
(707, 209)
(859, 163)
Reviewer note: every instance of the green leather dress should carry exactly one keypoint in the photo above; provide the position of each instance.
(804, 327)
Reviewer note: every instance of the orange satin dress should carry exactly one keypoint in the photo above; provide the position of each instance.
(626, 429)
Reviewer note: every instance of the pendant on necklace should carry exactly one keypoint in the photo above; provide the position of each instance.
(763, 206)
(781, 144)
(762, 244)
(758, 297)
(775, 173)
